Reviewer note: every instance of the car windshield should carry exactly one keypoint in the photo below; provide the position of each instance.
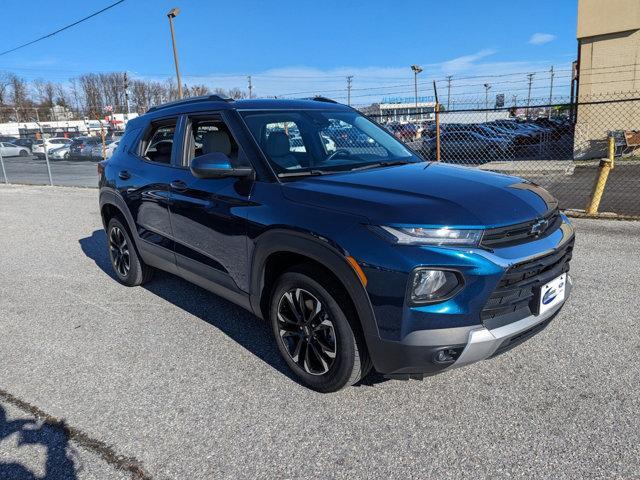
(323, 141)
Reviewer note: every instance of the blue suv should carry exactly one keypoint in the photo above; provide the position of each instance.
(357, 252)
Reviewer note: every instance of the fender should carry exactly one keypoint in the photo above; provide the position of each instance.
(112, 197)
(320, 250)
(151, 254)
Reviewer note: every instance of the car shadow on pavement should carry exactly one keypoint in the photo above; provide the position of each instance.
(241, 326)
(58, 464)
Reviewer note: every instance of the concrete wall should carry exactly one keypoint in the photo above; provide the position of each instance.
(609, 44)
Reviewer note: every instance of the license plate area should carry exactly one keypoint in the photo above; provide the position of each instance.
(550, 295)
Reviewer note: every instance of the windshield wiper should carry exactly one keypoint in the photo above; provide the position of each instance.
(381, 164)
(304, 173)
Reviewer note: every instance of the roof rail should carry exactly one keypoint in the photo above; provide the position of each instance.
(186, 101)
(318, 98)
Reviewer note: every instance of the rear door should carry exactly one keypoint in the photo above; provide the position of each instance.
(208, 216)
(143, 181)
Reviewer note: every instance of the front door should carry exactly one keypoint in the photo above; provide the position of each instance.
(208, 216)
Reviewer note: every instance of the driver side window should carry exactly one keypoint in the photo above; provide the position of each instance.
(209, 135)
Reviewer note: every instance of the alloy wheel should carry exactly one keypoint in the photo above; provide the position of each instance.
(119, 250)
(306, 331)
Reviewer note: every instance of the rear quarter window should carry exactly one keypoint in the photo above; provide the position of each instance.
(128, 140)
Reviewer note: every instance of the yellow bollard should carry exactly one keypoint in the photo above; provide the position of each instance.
(606, 165)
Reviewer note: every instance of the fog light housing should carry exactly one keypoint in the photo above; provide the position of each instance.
(447, 355)
(429, 285)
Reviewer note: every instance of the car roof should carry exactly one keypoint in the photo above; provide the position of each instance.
(217, 103)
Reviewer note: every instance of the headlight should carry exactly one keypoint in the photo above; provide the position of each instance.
(434, 236)
(430, 285)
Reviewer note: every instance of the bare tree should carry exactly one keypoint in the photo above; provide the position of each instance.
(237, 93)
(112, 85)
(45, 98)
(197, 90)
(19, 96)
(92, 93)
(4, 93)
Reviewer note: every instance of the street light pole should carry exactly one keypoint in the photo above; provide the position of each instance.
(530, 77)
(487, 87)
(416, 70)
(173, 13)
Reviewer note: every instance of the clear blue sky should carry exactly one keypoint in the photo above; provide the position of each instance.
(296, 46)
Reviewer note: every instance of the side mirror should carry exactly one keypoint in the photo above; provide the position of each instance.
(217, 165)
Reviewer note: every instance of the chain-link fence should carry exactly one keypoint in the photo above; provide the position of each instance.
(558, 146)
(62, 150)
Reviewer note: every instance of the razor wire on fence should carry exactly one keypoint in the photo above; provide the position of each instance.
(557, 145)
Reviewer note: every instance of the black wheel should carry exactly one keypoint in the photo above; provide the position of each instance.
(322, 346)
(126, 263)
(23, 153)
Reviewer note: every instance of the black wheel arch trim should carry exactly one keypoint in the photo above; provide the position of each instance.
(321, 251)
(112, 197)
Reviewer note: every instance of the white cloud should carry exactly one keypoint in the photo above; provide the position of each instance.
(540, 38)
(465, 62)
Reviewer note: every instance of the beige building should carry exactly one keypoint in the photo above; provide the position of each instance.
(608, 68)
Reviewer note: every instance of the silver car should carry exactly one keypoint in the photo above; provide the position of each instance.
(60, 153)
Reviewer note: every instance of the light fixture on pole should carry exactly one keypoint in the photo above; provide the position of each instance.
(416, 70)
(173, 13)
(487, 87)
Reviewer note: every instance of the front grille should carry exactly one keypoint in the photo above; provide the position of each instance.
(514, 297)
(521, 232)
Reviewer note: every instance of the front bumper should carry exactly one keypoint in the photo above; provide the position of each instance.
(484, 343)
(415, 356)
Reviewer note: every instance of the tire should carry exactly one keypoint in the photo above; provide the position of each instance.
(129, 268)
(66, 156)
(23, 153)
(326, 351)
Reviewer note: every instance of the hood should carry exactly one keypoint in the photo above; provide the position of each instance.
(425, 194)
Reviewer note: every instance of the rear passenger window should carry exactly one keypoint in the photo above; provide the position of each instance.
(158, 143)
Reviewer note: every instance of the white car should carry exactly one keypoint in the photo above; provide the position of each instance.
(10, 150)
(96, 150)
(112, 146)
(51, 143)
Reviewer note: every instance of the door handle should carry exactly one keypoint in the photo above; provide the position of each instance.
(178, 185)
(124, 175)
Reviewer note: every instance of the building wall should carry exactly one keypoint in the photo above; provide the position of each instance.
(609, 69)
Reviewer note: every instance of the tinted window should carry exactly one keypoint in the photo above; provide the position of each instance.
(158, 143)
(323, 140)
(209, 135)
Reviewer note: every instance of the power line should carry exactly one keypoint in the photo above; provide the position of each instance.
(61, 29)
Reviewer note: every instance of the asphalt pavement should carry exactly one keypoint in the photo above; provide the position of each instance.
(169, 381)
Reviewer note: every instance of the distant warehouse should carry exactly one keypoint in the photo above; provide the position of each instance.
(401, 109)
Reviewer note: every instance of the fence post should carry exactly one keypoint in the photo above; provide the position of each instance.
(4, 172)
(603, 173)
(437, 111)
(104, 143)
(46, 154)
